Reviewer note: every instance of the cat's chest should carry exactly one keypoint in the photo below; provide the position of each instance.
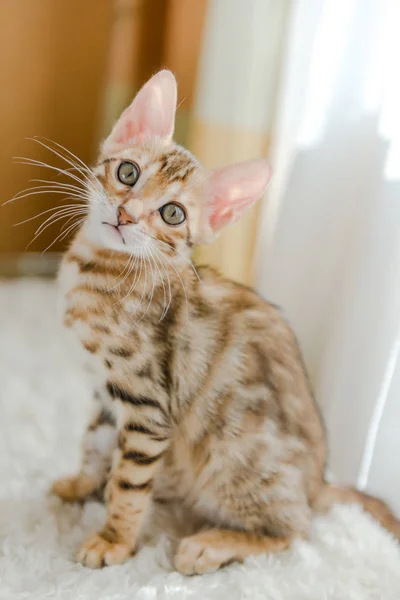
(104, 335)
(139, 349)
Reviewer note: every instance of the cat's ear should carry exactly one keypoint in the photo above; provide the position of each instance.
(231, 190)
(152, 112)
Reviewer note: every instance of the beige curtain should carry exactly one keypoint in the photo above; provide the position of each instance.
(52, 78)
(234, 107)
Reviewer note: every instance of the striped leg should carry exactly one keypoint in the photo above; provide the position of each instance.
(98, 445)
(143, 439)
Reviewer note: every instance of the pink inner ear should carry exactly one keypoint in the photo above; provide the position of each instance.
(152, 112)
(231, 190)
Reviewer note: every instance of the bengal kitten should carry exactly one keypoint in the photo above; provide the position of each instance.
(200, 391)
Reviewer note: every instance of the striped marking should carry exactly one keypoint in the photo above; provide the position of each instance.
(91, 347)
(138, 428)
(101, 328)
(126, 486)
(122, 352)
(116, 391)
(140, 458)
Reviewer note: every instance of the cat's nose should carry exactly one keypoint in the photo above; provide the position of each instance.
(125, 218)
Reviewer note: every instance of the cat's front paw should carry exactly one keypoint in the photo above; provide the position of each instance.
(75, 488)
(98, 552)
(199, 554)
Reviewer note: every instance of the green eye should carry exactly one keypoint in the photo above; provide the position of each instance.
(172, 214)
(128, 173)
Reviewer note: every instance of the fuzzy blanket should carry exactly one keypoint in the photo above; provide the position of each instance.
(43, 407)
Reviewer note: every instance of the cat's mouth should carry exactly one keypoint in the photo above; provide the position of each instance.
(115, 228)
(128, 235)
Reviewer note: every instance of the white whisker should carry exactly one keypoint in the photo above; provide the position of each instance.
(145, 280)
(60, 214)
(70, 230)
(143, 261)
(129, 266)
(166, 305)
(38, 233)
(64, 225)
(162, 282)
(73, 164)
(35, 193)
(74, 158)
(58, 184)
(180, 279)
(134, 283)
(58, 237)
(190, 263)
(54, 208)
(38, 163)
(152, 289)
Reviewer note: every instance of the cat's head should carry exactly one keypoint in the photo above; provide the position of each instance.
(153, 189)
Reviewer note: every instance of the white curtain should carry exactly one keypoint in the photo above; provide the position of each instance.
(328, 249)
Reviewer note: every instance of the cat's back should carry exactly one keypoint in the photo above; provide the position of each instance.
(266, 359)
(242, 306)
(251, 413)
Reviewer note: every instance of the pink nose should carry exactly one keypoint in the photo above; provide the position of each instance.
(124, 218)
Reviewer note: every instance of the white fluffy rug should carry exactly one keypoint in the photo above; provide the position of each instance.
(43, 403)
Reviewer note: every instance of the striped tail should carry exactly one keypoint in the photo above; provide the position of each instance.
(333, 494)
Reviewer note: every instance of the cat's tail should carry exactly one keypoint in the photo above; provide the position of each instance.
(333, 494)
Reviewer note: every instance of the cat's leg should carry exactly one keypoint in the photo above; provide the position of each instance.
(261, 527)
(99, 442)
(209, 550)
(142, 440)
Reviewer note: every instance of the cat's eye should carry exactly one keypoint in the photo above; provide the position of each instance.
(128, 173)
(172, 214)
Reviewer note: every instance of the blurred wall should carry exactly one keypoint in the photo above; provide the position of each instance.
(52, 76)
